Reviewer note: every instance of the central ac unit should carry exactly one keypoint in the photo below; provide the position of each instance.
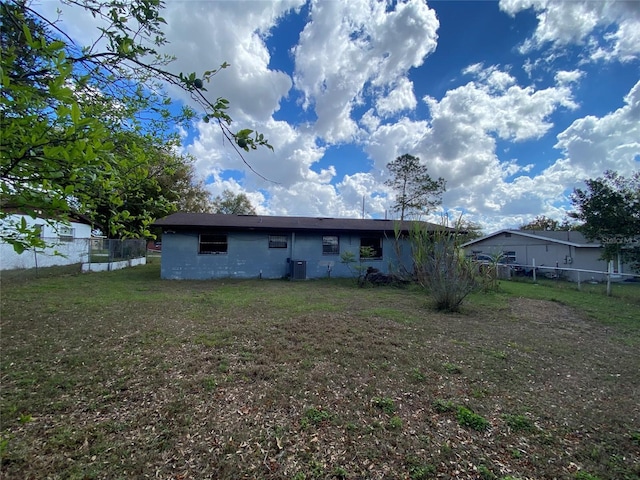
(298, 269)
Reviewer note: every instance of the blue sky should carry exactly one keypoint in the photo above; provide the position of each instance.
(514, 103)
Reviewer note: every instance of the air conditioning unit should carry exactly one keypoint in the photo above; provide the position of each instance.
(298, 269)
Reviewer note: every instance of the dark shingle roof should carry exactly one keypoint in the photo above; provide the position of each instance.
(183, 220)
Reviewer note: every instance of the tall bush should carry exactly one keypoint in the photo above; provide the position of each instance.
(441, 267)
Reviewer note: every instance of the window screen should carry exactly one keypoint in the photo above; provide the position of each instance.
(330, 245)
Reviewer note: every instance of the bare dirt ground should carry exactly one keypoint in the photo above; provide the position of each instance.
(275, 380)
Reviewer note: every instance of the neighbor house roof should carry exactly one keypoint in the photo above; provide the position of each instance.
(183, 220)
(35, 213)
(564, 237)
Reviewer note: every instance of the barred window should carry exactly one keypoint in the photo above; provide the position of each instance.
(330, 245)
(277, 241)
(212, 244)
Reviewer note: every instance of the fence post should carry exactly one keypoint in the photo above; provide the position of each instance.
(610, 269)
(578, 272)
(533, 263)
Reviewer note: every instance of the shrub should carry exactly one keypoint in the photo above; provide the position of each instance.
(441, 267)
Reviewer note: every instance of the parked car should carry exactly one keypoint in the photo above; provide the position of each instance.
(484, 259)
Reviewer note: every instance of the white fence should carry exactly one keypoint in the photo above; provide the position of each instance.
(95, 254)
(577, 275)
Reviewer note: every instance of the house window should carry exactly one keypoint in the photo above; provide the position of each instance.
(65, 233)
(277, 241)
(39, 229)
(330, 245)
(509, 256)
(212, 244)
(371, 247)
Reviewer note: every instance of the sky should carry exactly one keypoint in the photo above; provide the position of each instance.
(514, 103)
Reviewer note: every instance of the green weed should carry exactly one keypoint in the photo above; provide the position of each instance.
(315, 416)
(467, 418)
(214, 340)
(340, 473)
(582, 475)
(499, 354)
(395, 423)
(443, 406)
(421, 472)
(519, 423)
(452, 368)
(209, 384)
(25, 418)
(485, 473)
(4, 445)
(480, 392)
(386, 404)
(417, 376)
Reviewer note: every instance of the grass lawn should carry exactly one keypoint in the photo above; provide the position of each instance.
(122, 375)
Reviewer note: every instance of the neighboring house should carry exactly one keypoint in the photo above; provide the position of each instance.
(67, 244)
(561, 249)
(205, 246)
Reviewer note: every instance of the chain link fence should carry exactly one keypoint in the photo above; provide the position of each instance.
(80, 254)
(113, 254)
(107, 250)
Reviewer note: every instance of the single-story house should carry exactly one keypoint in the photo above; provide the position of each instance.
(206, 246)
(562, 250)
(67, 243)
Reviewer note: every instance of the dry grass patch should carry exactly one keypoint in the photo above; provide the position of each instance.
(122, 375)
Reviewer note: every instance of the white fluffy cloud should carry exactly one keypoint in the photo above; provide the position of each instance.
(574, 22)
(497, 104)
(400, 98)
(353, 72)
(459, 143)
(203, 35)
(349, 46)
(345, 51)
(296, 149)
(612, 142)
